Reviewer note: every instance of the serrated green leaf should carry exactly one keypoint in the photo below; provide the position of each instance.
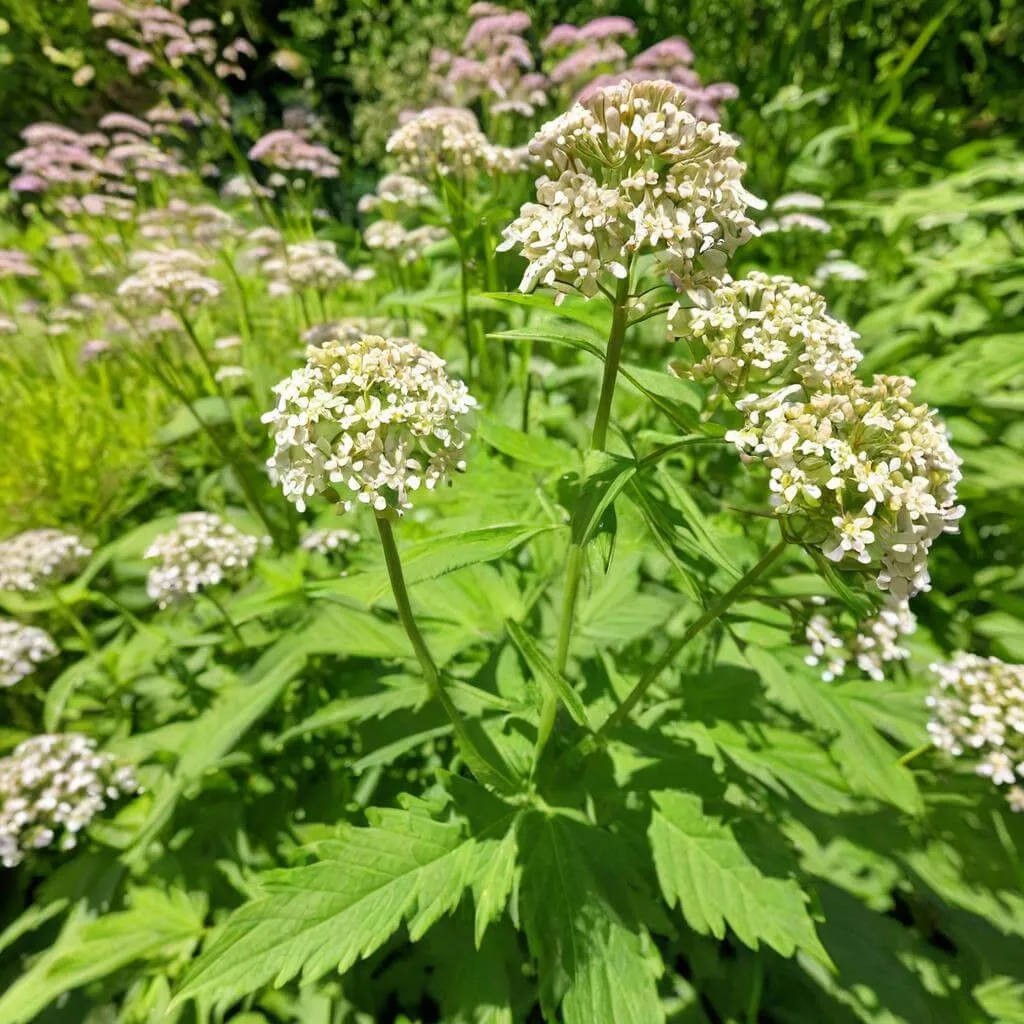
(595, 959)
(703, 869)
(156, 926)
(323, 917)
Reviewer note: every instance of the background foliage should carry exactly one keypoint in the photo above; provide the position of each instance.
(753, 849)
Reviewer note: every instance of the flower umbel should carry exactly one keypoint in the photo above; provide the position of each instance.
(977, 710)
(203, 550)
(22, 649)
(630, 171)
(38, 558)
(51, 787)
(371, 420)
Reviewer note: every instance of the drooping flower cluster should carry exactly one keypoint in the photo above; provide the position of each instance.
(51, 787)
(875, 644)
(287, 150)
(38, 558)
(22, 648)
(407, 245)
(762, 328)
(371, 420)
(169, 277)
(329, 541)
(977, 711)
(627, 172)
(203, 550)
(313, 264)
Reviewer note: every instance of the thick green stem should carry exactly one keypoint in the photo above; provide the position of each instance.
(477, 762)
(575, 558)
(712, 614)
(613, 354)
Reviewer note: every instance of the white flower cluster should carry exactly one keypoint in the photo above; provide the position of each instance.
(313, 264)
(38, 557)
(330, 540)
(184, 223)
(871, 476)
(22, 648)
(439, 141)
(875, 644)
(760, 327)
(396, 192)
(169, 277)
(373, 419)
(406, 244)
(201, 551)
(630, 171)
(978, 710)
(51, 787)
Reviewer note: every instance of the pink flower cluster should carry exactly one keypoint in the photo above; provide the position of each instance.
(288, 150)
(152, 34)
(109, 162)
(496, 65)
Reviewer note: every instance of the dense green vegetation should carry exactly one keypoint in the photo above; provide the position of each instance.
(446, 579)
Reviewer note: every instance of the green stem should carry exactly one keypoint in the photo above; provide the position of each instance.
(223, 612)
(613, 354)
(549, 706)
(575, 556)
(917, 752)
(476, 761)
(73, 620)
(714, 612)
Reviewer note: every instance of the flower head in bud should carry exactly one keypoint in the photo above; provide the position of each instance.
(397, 192)
(330, 541)
(405, 244)
(977, 709)
(312, 264)
(203, 550)
(22, 648)
(51, 787)
(627, 172)
(169, 277)
(372, 421)
(37, 558)
(762, 328)
(444, 141)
